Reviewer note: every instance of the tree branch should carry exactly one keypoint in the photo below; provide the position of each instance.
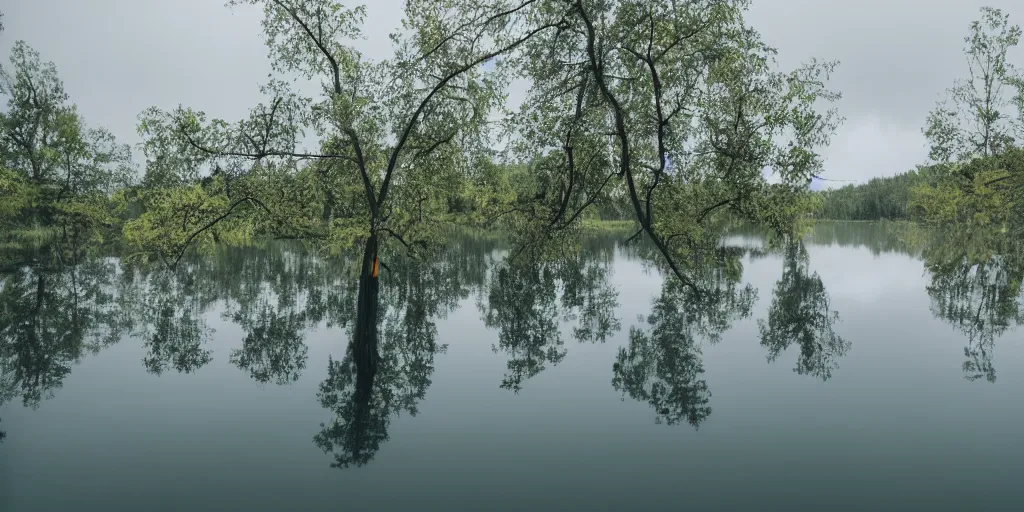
(708, 210)
(318, 42)
(367, 184)
(414, 119)
(624, 150)
(212, 223)
(263, 154)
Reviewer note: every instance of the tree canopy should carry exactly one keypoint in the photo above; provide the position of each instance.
(982, 114)
(681, 122)
(976, 134)
(54, 169)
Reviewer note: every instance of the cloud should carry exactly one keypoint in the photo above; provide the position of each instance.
(871, 146)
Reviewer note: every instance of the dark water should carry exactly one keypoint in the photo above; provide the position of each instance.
(856, 372)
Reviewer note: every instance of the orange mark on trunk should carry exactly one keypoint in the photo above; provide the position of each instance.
(375, 267)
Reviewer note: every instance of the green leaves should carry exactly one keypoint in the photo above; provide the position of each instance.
(17, 194)
(980, 192)
(54, 170)
(306, 37)
(980, 115)
(885, 198)
(674, 107)
(978, 130)
(176, 218)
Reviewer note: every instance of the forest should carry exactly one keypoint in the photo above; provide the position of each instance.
(886, 198)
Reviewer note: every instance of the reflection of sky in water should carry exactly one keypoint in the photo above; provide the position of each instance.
(891, 273)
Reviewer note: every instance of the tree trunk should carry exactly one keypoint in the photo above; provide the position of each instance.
(364, 341)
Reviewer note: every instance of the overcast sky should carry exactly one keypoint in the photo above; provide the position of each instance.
(118, 57)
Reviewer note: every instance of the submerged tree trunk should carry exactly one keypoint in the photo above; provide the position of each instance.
(364, 341)
(363, 347)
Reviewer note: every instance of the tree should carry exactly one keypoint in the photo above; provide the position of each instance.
(55, 168)
(885, 198)
(684, 121)
(676, 103)
(979, 117)
(684, 118)
(980, 193)
(396, 138)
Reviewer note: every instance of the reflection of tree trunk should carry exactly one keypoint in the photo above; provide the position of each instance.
(33, 322)
(40, 292)
(364, 342)
(363, 345)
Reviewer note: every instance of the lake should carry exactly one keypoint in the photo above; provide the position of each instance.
(855, 371)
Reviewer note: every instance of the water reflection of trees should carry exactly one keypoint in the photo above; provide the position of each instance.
(364, 393)
(277, 294)
(527, 303)
(55, 311)
(976, 287)
(528, 300)
(51, 317)
(974, 275)
(663, 365)
(801, 313)
(165, 310)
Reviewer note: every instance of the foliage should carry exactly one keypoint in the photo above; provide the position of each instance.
(54, 170)
(979, 139)
(983, 192)
(979, 117)
(404, 146)
(18, 195)
(885, 198)
(397, 139)
(680, 119)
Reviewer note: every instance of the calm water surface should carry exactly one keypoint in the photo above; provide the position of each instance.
(850, 373)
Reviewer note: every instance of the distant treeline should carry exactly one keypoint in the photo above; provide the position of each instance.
(885, 198)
